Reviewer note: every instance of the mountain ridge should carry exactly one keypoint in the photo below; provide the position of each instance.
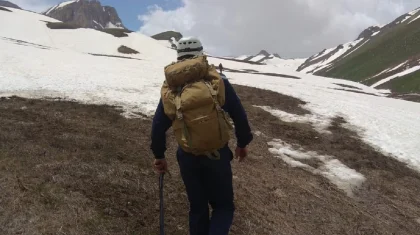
(379, 53)
(86, 14)
(9, 4)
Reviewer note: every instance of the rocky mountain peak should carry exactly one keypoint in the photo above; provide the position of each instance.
(8, 4)
(277, 55)
(369, 32)
(264, 52)
(86, 14)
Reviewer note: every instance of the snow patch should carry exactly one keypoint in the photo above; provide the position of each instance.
(50, 10)
(398, 66)
(319, 123)
(257, 58)
(98, 24)
(323, 53)
(405, 72)
(110, 25)
(375, 33)
(342, 176)
(356, 48)
(386, 70)
(242, 57)
(405, 19)
(285, 63)
(414, 12)
(326, 62)
(418, 17)
(63, 4)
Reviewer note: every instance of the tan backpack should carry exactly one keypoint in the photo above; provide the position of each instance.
(192, 96)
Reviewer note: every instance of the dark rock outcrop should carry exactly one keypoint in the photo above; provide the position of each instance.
(367, 33)
(277, 55)
(86, 14)
(8, 4)
(264, 52)
(167, 36)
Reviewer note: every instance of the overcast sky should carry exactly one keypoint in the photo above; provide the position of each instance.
(292, 28)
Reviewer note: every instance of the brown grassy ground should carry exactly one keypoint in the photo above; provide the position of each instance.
(67, 168)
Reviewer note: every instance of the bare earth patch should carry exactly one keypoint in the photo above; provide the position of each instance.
(115, 56)
(127, 50)
(347, 86)
(61, 25)
(360, 92)
(68, 168)
(414, 97)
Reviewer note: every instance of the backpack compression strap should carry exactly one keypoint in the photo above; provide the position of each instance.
(185, 134)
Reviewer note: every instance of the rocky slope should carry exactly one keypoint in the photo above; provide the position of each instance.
(86, 14)
(385, 57)
(8, 4)
(261, 57)
(264, 57)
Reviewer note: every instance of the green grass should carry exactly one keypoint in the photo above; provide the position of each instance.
(388, 49)
(409, 83)
(383, 52)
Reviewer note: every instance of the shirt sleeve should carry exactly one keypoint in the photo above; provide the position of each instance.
(236, 111)
(161, 123)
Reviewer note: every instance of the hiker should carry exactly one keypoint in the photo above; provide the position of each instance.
(203, 155)
(221, 68)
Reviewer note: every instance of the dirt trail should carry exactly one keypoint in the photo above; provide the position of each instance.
(67, 168)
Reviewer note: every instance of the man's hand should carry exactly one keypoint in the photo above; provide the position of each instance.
(160, 165)
(241, 153)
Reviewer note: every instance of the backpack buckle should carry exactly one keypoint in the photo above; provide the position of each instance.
(179, 115)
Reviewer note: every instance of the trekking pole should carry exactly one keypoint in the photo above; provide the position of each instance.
(162, 221)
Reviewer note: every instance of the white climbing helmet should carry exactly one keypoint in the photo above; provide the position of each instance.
(189, 47)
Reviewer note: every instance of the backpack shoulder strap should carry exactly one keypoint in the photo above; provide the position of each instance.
(185, 133)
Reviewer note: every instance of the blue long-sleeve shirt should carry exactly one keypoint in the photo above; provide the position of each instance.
(233, 106)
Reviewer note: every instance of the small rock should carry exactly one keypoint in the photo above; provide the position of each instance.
(279, 193)
(24, 108)
(255, 157)
(235, 177)
(418, 220)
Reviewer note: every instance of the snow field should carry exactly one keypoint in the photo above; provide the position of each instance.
(391, 126)
(68, 71)
(343, 177)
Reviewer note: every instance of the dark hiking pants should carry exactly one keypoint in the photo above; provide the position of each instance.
(208, 182)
